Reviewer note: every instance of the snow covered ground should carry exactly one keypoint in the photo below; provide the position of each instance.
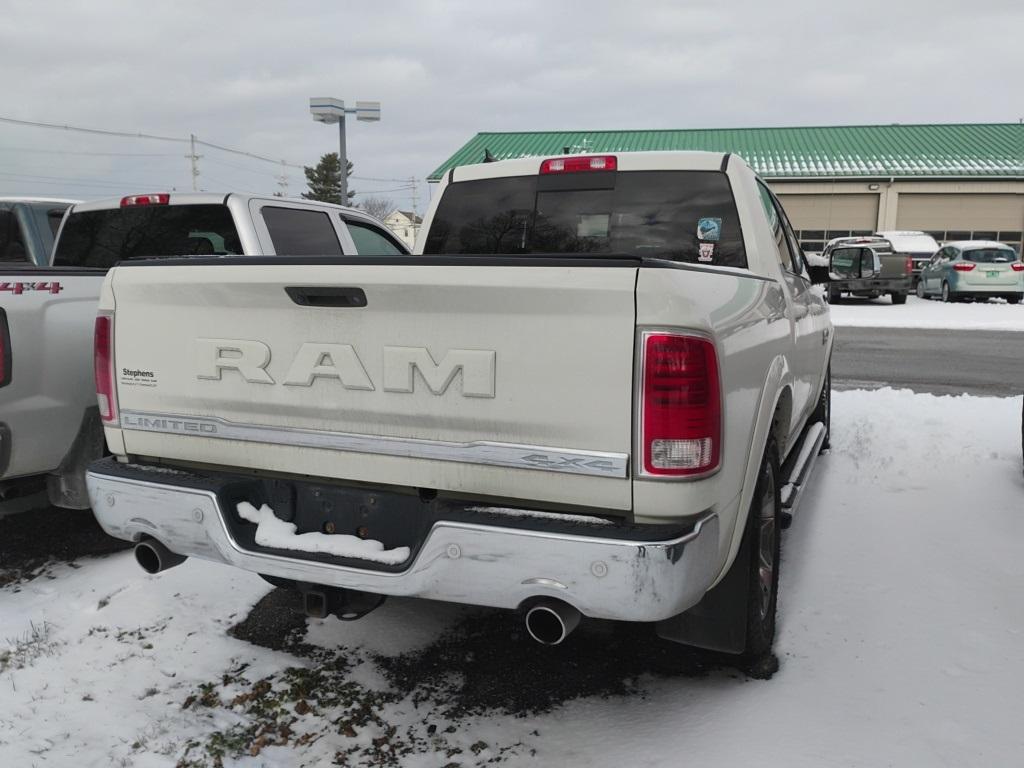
(925, 313)
(900, 642)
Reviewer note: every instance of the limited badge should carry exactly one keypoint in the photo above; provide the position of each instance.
(709, 229)
(706, 252)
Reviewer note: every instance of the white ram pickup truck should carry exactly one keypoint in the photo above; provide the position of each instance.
(49, 426)
(598, 389)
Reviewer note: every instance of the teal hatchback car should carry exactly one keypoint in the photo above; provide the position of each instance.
(973, 270)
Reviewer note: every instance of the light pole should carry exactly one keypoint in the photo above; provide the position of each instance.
(328, 110)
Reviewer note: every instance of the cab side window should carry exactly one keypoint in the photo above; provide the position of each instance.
(372, 241)
(785, 240)
(297, 232)
(12, 244)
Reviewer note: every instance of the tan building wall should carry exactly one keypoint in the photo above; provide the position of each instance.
(950, 210)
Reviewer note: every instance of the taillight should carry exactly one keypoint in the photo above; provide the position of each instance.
(577, 163)
(106, 394)
(161, 198)
(909, 265)
(1017, 266)
(681, 423)
(964, 266)
(5, 350)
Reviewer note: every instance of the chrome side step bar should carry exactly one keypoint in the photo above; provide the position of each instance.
(799, 471)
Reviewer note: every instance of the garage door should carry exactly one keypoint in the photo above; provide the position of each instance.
(960, 212)
(831, 212)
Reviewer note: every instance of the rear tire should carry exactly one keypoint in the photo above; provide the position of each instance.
(899, 298)
(920, 289)
(834, 295)
(1013, 300)
(946, 295)
(764, 530)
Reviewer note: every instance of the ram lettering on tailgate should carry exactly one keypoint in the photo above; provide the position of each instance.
(316, 360)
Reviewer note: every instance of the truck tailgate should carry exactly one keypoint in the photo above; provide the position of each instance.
(506, 382)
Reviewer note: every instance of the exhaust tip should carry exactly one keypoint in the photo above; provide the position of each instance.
(550, 622)
(153, 557)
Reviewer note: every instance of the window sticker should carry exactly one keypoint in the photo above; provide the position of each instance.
(709, 229)
(706, 252)
(592, 225)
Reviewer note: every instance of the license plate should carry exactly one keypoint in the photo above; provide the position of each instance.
(992, 274)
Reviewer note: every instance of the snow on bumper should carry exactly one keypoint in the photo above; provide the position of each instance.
(459, 562)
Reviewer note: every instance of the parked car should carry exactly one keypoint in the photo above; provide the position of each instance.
(28, 226)
(866, 267)
(49, 425)
(600, 390)
(973, 270)
(918, 246)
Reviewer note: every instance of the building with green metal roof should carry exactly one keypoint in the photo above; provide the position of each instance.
(956, 181)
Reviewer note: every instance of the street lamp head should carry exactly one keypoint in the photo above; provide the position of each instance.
(327, 110)
(368, 111)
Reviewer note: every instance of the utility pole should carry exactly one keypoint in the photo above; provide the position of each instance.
(343, 159)
(415, 196)
(282, 180)
(195, 162)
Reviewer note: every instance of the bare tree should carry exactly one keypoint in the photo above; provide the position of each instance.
(378, 207)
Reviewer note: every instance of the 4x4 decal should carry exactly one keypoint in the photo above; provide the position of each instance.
(19, 288)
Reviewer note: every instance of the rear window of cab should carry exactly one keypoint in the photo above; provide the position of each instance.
(684, 216)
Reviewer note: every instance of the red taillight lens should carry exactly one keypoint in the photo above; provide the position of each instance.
(106, 394)
(161, 198)
(964, 266)
(5, 350)
(681, 407)
(909, 266)
(1017, 266)
(578, 163)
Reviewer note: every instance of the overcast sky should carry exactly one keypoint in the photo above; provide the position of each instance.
(241, 74)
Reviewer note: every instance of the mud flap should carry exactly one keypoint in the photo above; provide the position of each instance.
(66, 485)
(719, 621)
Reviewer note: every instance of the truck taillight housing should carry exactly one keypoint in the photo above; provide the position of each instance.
(964, 266)
(106, 394)
(5, 350)
(909, 266)
(680, 409)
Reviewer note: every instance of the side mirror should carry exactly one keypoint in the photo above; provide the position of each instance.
(870, 263)
(818, 274)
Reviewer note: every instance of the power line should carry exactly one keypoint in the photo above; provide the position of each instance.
(87, 154)
(100, 131)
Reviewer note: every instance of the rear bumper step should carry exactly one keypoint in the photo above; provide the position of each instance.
(604, 570)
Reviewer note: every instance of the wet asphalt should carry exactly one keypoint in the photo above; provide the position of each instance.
(940, 362)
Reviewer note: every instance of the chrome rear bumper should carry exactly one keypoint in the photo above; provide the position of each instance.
(459, 562)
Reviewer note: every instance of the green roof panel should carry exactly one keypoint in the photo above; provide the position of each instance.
(932, 151)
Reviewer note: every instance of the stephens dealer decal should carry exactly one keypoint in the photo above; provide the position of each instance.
(136, 377)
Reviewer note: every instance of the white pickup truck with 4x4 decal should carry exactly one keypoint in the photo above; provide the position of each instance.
(49, 426)
(597, 389)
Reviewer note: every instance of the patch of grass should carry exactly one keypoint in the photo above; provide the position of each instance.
(24, 650)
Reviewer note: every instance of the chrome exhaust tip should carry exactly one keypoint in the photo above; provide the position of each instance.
(153, 557)
(549, 622)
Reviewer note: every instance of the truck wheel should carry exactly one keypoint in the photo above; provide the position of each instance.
(899, 298)
(823, 410)
(1013, 300)
(833, 295)
(764, 531)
